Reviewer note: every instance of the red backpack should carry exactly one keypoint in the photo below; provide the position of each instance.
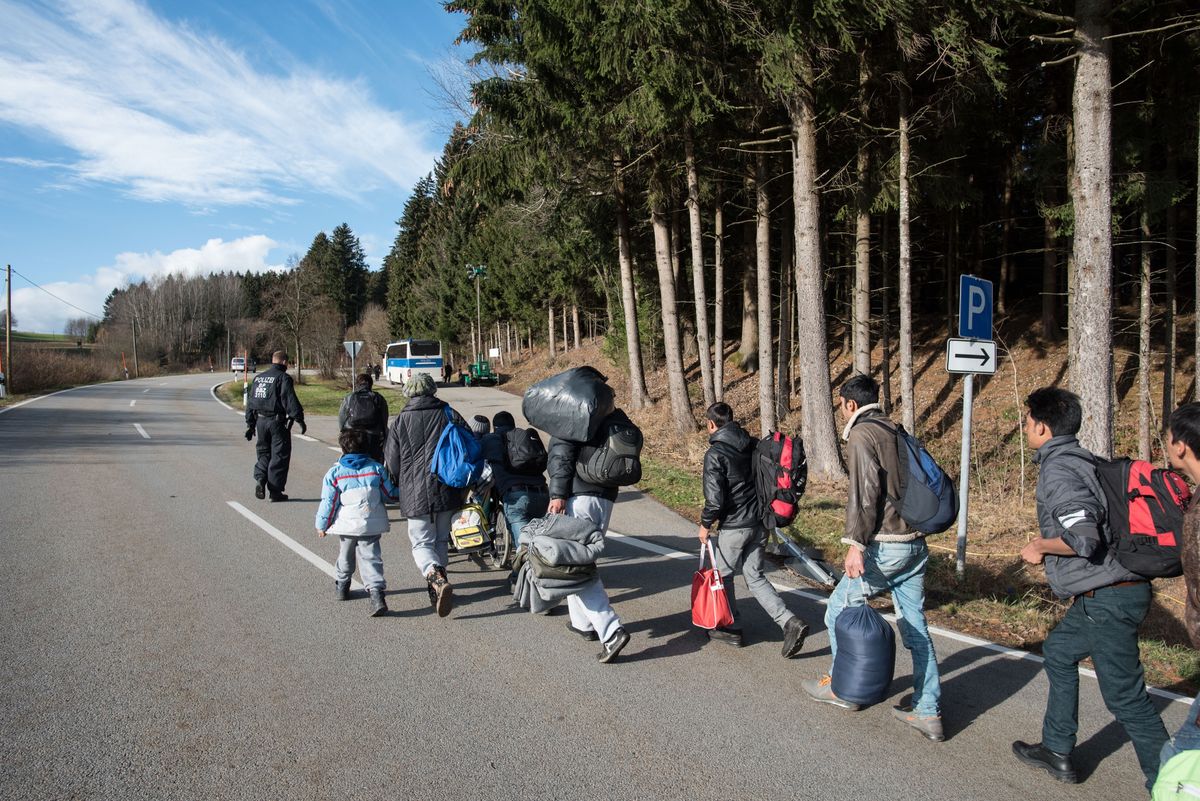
(1145, 508)
(780, 476)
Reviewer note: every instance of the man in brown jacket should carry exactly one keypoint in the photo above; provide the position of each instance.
(884, 554)
(1183, 449)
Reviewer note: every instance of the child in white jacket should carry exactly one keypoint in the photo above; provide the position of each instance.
(352, 498)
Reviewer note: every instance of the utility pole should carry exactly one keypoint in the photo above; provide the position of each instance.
(136, 374)
(8, 330)
(477, 272)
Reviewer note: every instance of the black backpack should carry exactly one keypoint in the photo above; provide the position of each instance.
(780, 477)
(361, 413)
(524, 453)
(616, 461)
(1145, 506)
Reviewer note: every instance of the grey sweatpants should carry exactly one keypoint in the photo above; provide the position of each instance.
(369, 559)
(742, 548)
(590, 609)
(430, 538)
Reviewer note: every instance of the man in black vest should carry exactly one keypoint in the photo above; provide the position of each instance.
(366, 410)
(271, 409)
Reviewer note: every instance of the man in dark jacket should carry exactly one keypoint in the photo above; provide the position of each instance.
(366, 410)
(271, 409)
(592, 616)
(524, 496)
(883, 554)
(731, 503)
(428, 504)
(1108, 602)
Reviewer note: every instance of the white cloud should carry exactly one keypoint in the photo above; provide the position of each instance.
(34, 310)
(168, 113)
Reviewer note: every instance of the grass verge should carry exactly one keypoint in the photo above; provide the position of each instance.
(317, 396)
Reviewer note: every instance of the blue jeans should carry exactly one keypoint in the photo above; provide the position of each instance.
(1187, 738)
(523, 505)
(899, 568)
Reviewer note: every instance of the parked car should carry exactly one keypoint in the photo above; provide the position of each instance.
(238, 363)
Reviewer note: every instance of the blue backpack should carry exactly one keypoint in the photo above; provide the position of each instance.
(928, 499)
(457, 457)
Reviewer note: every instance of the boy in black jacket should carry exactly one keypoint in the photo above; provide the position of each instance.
(730, 501)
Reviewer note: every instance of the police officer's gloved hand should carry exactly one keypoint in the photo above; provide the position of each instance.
(249, 433)
(303, 427)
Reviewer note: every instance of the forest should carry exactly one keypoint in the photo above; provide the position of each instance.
(761, 183)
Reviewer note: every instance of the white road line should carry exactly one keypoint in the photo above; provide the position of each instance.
(296, 547)
(144, 391)
(1001, 650)
(339, 450)
(133, 401)
(141, 430)
(213, 391)
(305, 437)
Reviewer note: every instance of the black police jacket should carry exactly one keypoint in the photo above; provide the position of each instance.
(730, 497)
(272, 393)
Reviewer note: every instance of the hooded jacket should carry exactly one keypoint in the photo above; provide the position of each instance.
(1070, 505)
(352, 498)
(730, 495)
(408, 454)
(874, 468)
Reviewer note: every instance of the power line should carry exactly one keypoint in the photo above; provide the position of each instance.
(56, 297)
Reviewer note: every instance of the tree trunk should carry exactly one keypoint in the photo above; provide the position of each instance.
(885, 322)
(762, 258)
(1171, 268)
(1005, 239)
(907, 401)
(575, 323)
(681, 411)
(718, 297)
(748, 346)
(550, 329)
(1049, 281)
(820, 435)
(1072, 277)
(861, 314)
(1091, 192)
(783, 357)
(638, 397)
(697, 240)
(1196, 300)
(1144, 322)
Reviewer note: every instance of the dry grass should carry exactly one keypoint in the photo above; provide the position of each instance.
(43, 369)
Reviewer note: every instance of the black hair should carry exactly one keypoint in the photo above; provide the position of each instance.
(1057, 409)
(364, 380)
(720, 413)
(503, 419)
(861, 389)
(354, 440)
(1185, 426)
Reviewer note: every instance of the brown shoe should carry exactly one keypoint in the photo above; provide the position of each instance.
(441, 591)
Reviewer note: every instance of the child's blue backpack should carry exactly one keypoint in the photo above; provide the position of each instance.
(457, 457)
(928, 499)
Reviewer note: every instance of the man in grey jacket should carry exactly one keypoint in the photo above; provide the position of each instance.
(884, 554)
(1108, 602)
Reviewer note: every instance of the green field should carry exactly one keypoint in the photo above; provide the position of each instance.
(317, 396)
(25, 337)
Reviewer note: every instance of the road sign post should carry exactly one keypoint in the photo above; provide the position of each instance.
(353, 347)
(974, 352)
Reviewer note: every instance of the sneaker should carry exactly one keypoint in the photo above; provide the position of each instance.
(613, 645)
(794, 632)
(931, 727)
(260, 490)
(587, 635)
(341, 592)
(378, 604)
(432, 592)
(1039, 756)
(277, 497)
(443, 592)
(822, 690)
(729, 636)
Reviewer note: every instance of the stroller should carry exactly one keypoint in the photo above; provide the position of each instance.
(479, 531)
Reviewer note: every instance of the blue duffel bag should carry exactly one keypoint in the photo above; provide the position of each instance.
(866, 655)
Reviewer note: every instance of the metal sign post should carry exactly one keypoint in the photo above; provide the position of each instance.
(353, 347)
(974, 353)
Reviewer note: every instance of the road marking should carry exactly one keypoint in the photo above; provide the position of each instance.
(141, 430)
(339, 450)
(213, 391)
(294, 546)
(133, 401)
(305, 437)
(1002, 650)
(144, 391)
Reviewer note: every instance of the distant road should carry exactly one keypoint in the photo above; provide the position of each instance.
(165, 635)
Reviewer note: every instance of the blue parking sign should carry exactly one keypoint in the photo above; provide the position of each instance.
(974, 307)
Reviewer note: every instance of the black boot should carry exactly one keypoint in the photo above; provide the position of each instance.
(794, 632)
(378, 604)
(260, 490)
(1039, 756)
(341, 592)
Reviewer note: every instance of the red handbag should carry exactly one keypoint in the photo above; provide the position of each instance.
(710, 605)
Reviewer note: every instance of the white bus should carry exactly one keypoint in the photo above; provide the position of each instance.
(408, 356)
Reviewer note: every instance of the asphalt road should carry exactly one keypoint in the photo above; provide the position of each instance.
(157, 643)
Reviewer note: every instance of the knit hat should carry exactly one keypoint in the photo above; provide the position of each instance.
(480, 425)
(420, 384)
(503, 420)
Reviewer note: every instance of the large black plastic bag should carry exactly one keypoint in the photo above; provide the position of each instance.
(570, 405)
(866, 655)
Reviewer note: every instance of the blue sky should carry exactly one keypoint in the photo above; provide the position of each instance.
(144, 138)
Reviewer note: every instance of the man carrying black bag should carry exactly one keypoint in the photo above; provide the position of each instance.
(884, 552)
(270, 411)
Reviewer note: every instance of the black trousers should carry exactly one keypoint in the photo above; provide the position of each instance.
(274, 449)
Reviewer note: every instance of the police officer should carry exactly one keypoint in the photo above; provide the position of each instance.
(270, 411)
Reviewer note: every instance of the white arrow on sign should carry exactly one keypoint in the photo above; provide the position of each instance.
(971, 356)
